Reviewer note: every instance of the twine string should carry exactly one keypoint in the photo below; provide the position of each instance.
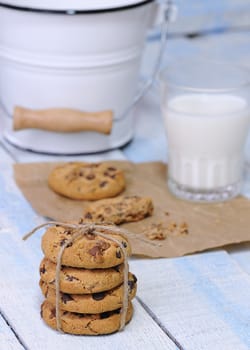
(86, 229)
(118, 230)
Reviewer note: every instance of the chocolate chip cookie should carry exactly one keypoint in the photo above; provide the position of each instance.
(120, 210)
(85, 324)
(82, 281)
(91, 303)
(89, 251)
(87, 181)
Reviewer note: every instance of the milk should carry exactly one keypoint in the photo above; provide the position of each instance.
(206, 134)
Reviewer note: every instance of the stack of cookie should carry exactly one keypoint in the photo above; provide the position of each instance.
(91, 281)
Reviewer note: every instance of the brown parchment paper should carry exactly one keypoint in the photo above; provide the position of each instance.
(210, 225)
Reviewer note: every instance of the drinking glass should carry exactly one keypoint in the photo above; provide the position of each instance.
(205, 106)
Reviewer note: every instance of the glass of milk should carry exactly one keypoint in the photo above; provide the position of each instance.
(206, 112)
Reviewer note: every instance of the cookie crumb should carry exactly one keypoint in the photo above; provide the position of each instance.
(156, 232)
(172, 226)
(183, 228)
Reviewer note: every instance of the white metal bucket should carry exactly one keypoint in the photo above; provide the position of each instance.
(87, 61)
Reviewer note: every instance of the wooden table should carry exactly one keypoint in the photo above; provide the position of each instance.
(197, 302)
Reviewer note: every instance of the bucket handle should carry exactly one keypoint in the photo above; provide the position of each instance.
(166, 14)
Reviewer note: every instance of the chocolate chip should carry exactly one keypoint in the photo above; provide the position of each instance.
(90, 177)
(104, 245)
(99, 248)
(52, 313)
(96, 250)
(110, 168)
(111, 175)
(63, 241)
(71, 278)
(88, 215)
(90, 233)
(103, 183)
(42, 269)
(134, 278)
(66, 297)
(81, 173)
(41, 312)
(118, 254)
(124, 244)
(117, 268)
(67, 232)
(100, 217)
(90, 236)
(109, 313)
(105, 315)
(98, 296)
(117, 311)
(131, 283)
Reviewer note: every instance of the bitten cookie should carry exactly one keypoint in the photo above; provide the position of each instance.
(82, 281)
(88, 181)
(120, 210)
(85, 324)
(89, 251)
(91, 303)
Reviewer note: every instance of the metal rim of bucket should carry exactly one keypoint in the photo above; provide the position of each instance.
(74, 12)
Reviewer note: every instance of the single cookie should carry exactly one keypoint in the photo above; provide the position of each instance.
(91, 303)
(120, 210)
(85, 324)
(82, 281)
(88, 181)
(89, 251)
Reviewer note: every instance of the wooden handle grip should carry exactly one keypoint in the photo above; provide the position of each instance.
(62, 120)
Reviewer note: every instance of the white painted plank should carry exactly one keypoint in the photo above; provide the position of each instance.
(241, 254)
(197, 16)
(20, 295)
(203, 300)
(8, 341)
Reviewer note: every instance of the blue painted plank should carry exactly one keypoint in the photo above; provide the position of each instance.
(203, 300)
